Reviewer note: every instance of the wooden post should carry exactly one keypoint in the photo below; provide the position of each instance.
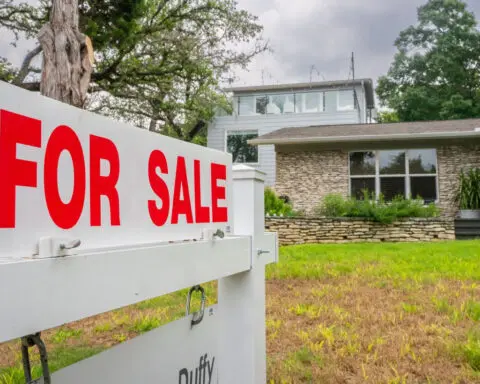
(241, 297)
(67, 65)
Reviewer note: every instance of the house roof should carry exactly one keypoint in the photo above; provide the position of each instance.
(421, 130)
(367, 83)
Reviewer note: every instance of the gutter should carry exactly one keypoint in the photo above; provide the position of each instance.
(369, 138)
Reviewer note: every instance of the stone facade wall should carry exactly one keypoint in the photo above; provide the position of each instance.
(307, 177)
(303, 230)
(451, 160)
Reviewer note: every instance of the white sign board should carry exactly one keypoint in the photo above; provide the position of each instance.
(173, 354)
(69, 174)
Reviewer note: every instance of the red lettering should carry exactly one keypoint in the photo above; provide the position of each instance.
(103, 149)
(64, 215)
(156, 161)
(181, 206)
(202, 214)
(218, 172)
(15, 129)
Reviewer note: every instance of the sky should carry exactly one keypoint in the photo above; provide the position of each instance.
(319, 33)
(324, 33)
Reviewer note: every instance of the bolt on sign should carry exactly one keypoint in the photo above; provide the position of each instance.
(70, 174)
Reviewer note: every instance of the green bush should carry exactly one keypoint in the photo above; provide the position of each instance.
(468, 194)
(274, 206)
(335, 205)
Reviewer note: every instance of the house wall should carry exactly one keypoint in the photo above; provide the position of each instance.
(451, 160)
(308, 176)
(264, 124)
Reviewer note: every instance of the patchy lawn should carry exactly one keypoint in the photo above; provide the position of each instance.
(363, 313)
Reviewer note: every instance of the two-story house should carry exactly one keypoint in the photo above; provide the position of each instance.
(259, 110)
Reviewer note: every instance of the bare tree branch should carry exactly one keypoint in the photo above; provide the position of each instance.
(25, 68)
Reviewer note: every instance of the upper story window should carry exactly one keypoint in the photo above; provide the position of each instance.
(345, 100)
(406, 173)
(298, 102)
(237, 145)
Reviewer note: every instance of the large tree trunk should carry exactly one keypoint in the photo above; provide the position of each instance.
(66, 63)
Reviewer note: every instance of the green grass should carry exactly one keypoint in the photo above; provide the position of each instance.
(423, 262)
(64, 334)
(58, 358)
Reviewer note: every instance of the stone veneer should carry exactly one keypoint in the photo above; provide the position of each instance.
(451, 160)
(308, 176)
(303, 230)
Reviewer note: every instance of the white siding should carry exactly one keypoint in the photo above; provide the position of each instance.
(269, 123)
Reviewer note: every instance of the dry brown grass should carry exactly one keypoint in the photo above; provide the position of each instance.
(347, 330)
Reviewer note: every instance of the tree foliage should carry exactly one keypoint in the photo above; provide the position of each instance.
(435, 74)
(159, 63)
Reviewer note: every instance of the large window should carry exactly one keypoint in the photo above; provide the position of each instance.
(408, 173)
(237, 145)
(299, 102)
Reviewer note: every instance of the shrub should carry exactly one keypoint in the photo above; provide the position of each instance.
(276, 206)
(377, 210)
(468, 194)
(333, 205)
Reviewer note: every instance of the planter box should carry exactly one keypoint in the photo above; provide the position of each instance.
(467, 229)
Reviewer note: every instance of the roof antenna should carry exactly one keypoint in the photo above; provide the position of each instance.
(314, 68)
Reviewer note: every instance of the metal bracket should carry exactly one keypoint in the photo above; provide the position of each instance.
(210, 235)
(49, 247)
(31, 341)
(197, 316)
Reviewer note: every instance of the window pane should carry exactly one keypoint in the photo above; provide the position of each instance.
(261, 104)
(391, 187)
(245, 106)
(392, 162)
(345, 101)
(309, 102)
(424, 187)
(362, 163)
(422, 161)
(358, 186)
(280, 104)
(241, 151)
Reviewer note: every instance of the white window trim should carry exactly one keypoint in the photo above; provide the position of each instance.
(238, 132)
(407, 173)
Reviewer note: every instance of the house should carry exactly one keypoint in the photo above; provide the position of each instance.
(259, 110)
(410, 159)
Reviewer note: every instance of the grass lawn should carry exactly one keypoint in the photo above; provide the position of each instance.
(360, 313)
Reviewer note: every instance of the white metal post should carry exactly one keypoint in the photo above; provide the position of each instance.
(241, 297)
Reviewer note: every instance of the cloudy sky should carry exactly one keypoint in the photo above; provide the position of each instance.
(325, 32)
(322, 33)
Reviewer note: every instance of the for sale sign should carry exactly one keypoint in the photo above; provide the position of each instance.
(67, 173)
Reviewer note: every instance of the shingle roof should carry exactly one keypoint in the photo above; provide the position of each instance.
(363, 132)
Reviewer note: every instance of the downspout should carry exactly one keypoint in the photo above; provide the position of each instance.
(365, 103)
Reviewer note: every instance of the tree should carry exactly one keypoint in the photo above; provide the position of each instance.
(159, 63)
(435, 74)
(387, 117)
(66, 58)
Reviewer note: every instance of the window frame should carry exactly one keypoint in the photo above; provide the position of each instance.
(239, 132)
(407, 175)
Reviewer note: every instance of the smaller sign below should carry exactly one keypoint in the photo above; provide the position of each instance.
(173, 354)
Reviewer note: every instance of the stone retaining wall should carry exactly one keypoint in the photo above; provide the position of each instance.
(302, 230)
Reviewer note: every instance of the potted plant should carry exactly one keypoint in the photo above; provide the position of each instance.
(468, 194)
